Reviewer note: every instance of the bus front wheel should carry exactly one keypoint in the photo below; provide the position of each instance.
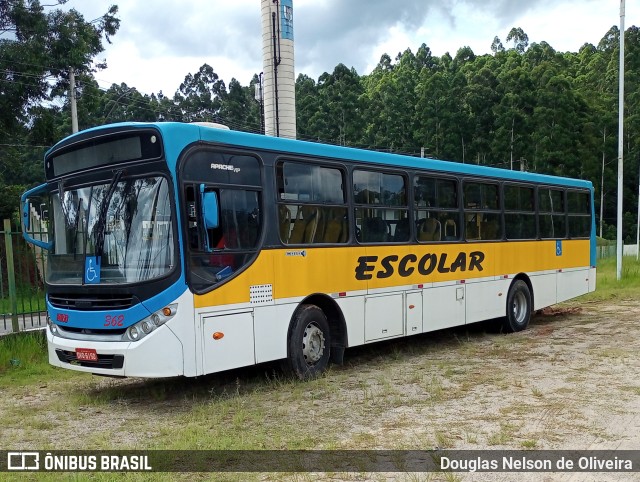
(309, 343)
(518, 307)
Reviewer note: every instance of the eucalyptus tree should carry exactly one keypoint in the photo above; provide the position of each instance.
(443, 116)
(239, 109)
(38, 49)
(200, 95)
(307, 106)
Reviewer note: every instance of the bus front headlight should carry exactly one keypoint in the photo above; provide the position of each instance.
(53, 328)
(133, 333)
(141, 329)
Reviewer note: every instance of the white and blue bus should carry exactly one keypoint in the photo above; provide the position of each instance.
(183, 249)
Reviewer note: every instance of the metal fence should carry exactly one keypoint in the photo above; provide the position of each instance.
(610, 251)
(22, 302)
(606, 251)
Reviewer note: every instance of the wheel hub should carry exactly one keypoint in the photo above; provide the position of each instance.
(519, 307)
(312, 343)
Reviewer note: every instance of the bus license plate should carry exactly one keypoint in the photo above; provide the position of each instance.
(86, 354)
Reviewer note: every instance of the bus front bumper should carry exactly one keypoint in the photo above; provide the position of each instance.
(157, 355)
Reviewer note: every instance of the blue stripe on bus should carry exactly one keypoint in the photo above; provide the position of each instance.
(97, 320)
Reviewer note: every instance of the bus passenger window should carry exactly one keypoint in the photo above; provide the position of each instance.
(381, 214)
(552, 217)
(436, 209)
(311, 204)
(482, 211)
(519, 212)
(579, 214)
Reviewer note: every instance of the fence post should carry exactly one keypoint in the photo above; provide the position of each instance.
(11, 275)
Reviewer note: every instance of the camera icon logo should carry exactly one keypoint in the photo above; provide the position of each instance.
(23, 461)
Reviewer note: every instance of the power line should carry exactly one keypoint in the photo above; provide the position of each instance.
(139, 103)
(24, 145)
(127, 100)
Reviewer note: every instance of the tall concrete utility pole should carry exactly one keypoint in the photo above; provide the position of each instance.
(619, 246)
(72, 101)
(278, 66)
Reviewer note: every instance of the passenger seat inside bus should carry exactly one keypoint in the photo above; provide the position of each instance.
(305, 225)
(429, 229)
(489, 229)
(336, 229)
(473, 230)
(375, 230)
(285, 222)
(450, 230)
(403, 231)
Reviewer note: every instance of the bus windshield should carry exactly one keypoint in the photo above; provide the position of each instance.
(125, 224)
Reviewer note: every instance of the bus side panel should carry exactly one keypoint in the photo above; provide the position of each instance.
(443, 306)
(572, 283)
(384, 316)
(413, 312)
(544, 286)
(353, 311)
(184, 328)
(161, 356)
(271, 325)
(486, 298)
(234, 348)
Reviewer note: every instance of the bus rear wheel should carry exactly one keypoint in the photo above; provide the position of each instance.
(518, 307)
(309, 343)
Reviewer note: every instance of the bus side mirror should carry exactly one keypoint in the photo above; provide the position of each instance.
(209, 208)
(25, 215)
(35, 218)
(209, 211)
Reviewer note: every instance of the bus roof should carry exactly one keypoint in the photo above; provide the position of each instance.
(188, 133)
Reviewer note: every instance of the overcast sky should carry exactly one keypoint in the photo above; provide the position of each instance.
(160, 42)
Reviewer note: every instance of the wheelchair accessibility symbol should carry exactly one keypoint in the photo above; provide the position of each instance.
(558, 248)
(92, 270)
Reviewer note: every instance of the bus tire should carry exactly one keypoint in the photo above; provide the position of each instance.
(309, 344)
(519, 307)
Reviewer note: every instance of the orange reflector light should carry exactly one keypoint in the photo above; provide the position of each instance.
(218, 335)
(166, 311)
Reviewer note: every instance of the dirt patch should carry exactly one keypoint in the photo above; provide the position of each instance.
(569, 382)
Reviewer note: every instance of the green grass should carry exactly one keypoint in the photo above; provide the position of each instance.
(23, 358)
(29, 300)
(607, 285)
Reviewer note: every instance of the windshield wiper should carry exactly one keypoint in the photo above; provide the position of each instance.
(75, 229)
(98, 228)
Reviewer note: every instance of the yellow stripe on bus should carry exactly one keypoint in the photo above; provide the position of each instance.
(300, 272)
